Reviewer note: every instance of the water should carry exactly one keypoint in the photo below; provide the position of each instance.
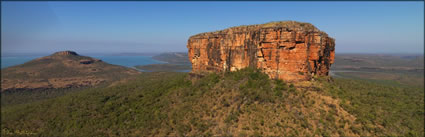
(128, 61)
(12, 61)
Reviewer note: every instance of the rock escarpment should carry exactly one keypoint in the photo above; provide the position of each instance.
(64, 53)
(289, 50)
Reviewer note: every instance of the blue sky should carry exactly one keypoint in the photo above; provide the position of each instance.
(113, 27)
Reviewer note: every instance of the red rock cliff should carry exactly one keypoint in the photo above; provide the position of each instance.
(289, 50)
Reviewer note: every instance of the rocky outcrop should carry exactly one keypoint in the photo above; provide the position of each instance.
(64, 53)
(89, 61)
(289, 50)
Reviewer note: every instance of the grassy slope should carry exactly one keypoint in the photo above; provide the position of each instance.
(10, 98)
(239, 103)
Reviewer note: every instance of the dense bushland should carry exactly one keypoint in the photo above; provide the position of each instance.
(390, 110)
(240, 103)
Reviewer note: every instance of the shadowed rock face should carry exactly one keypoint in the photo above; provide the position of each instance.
(291, 51)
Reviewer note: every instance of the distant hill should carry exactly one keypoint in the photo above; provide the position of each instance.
(175, 62)
(378, 61)
(164, 68)
(135, 54)
(65, 69)
(402, 68)
(173, 58)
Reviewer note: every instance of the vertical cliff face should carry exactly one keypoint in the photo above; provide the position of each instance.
(291, 51)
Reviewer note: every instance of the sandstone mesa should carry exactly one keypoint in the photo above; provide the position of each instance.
(287, 50)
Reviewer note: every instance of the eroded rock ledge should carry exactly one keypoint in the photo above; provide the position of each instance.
(64, 53)
(287, 50)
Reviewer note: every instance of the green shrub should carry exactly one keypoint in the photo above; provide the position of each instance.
(233, 116)
(300, 73)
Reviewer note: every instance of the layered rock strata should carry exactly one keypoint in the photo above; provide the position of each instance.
(288, 50)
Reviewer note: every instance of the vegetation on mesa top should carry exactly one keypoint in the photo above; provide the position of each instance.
(284, 24)
(244, 102)
(291, 25)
